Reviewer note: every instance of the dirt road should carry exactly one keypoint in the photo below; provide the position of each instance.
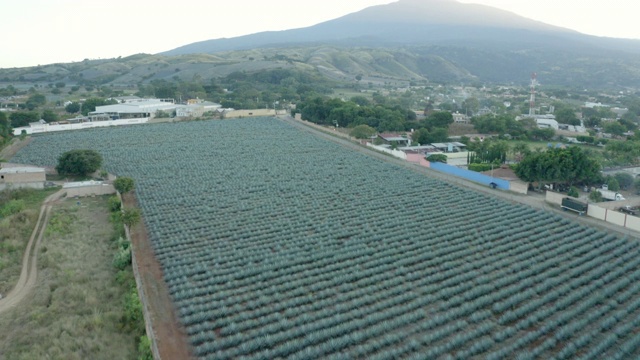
(29, 272)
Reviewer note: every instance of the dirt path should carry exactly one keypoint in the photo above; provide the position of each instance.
(11, 149)
(29, 273)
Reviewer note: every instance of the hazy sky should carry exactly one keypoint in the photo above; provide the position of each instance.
(48, 31)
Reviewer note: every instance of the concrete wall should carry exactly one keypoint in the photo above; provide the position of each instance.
(633, 223)
(597, 212)
(97, 190)
(519, 187)
(24, 185)
(470, 175)
(43, 128)
(249, 113)
(554, 197)
(616, 217)
(13, 178)
(396, 153)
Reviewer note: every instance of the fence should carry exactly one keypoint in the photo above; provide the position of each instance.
(470, 175)
(396, 153)
(603, 211)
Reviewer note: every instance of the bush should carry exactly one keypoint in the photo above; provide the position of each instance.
(573, 192)
(123, 184)
(481, 167)
(437, 158)
(114, 204)
(12, 207)
(595, 196)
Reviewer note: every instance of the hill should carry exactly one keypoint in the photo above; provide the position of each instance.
(420, 40)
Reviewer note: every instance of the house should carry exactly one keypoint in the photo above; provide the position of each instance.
(461, 118)
(14, 176)
(449, 147)
(143, 108)
(399, 139)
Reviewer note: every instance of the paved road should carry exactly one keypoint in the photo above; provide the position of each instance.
(534, 200)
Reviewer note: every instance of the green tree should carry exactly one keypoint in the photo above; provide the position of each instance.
(362, 132)
(72, 108)
(35, 101)
(613, 184)
(23, 118)
(614, 128)
(596, 196)
(439, 119)
(79, 162)
(49, 116)
(123, 184)
(421, 136)
(636, 185)
(567, 116)
(131, 216)
(570, 166)
(625, 180)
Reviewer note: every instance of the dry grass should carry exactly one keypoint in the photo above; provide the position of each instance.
(15, 231)
(76, 308)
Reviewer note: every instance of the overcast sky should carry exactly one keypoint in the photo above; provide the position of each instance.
(48, 31)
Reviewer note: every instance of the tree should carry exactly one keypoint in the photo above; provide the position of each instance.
(49, 116)
(35, 101)
(613, 184)
(130, 216)
(614, 128)
(123, 184)
(439, 119)
(596, 196)
(571, 165)
(421, 136)
(636, 185)
(79, 162)
(567, 116)
(23, 118)
(362, 132)
(625, 180)
(72, 108)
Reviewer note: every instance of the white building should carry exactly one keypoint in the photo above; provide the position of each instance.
(142, 108)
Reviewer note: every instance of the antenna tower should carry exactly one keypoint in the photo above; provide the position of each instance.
(532, 100)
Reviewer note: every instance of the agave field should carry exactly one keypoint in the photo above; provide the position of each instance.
(278, 244)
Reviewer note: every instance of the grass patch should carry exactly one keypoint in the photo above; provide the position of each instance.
(77, 307)
(15, 230)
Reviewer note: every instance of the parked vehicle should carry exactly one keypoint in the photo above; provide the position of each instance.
(611, 195)
(574, 205)
(628, 210)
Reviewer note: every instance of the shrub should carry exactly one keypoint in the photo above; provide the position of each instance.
(573, 192)
(595, 196)
(12, 207)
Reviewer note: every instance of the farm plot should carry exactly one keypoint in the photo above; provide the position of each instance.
(275, 243)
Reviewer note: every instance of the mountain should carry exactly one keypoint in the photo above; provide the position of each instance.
(441, 41)
(486, 43)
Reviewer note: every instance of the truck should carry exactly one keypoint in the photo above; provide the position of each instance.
(611, 195)
(574, 205)
(628, 210)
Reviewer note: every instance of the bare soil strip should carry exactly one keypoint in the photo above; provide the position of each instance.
(29, 272)
(171, 340)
